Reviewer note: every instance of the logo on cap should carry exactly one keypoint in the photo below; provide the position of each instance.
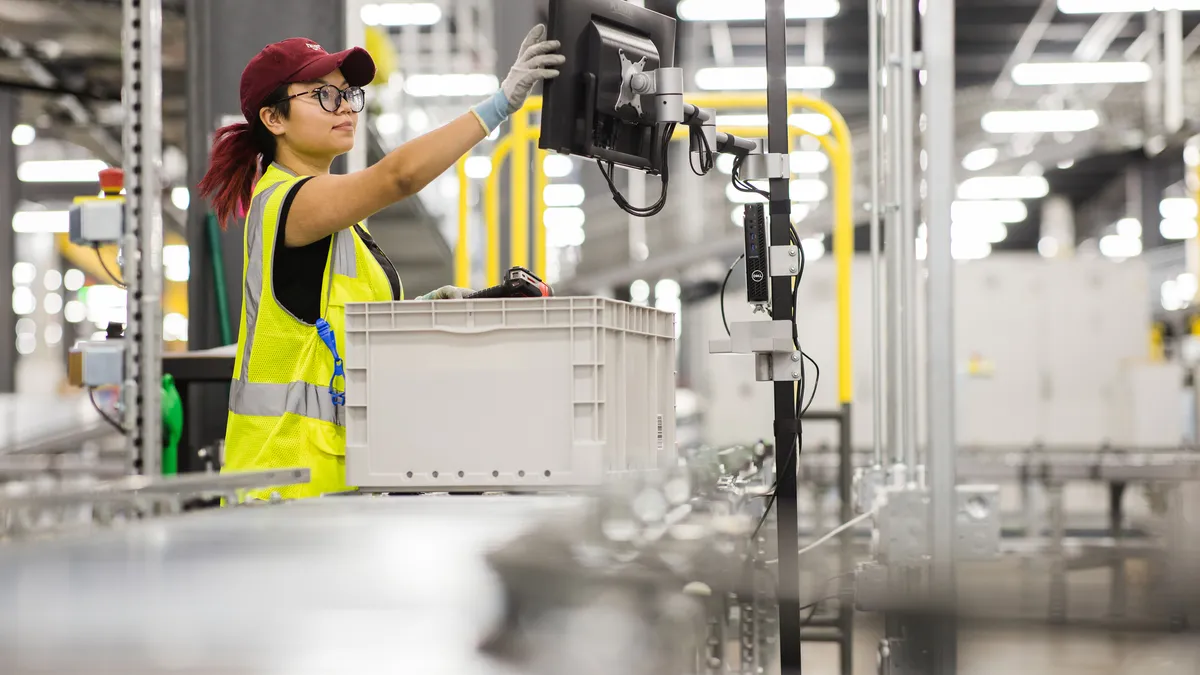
(315, 48)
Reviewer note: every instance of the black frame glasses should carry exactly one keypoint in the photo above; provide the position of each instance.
(330, 97)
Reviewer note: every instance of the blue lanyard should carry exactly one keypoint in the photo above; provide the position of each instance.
(326, 332)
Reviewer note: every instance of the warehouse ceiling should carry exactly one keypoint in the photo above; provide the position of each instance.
(64, 55)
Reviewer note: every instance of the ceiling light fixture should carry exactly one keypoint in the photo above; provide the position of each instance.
(1178, 229)
(37, 222)
(1039, 121)
(401, 14)
(1004, 187)
(813, 123)
(1124, 6)
(753, 10)
(996, 210)
(752, 78)
(563, 195)
(978, 160)
(1178, 208)
(61, 171)
(1118, 247)
(1081, 72)
(450, 85)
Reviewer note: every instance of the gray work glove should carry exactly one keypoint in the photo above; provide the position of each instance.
(447, 293)
(535, 62)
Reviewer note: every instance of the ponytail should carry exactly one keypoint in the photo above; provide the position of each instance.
(240, 153)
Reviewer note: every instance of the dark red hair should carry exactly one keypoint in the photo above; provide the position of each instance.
(240, 153)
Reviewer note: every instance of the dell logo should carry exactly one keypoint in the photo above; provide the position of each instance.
(756, 276)
(620, 7)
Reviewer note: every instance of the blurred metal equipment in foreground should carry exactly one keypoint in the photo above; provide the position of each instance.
(26, 510)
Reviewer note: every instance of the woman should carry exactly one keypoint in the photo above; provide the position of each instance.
(307, 252)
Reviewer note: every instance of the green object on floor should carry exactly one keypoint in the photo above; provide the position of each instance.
(172, 424)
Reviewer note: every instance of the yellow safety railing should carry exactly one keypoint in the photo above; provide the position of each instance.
(524, 133)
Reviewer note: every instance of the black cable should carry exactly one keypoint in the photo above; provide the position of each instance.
(116, 280)
(724, 284)
(114, 423)
(742, 185)
(812, 609)
(641, 211)
(816, 382)
(707, 157)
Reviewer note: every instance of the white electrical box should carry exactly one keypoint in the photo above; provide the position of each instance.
(506, 395)
(98, 221)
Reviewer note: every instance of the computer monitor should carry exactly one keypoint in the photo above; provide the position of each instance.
(583, 110)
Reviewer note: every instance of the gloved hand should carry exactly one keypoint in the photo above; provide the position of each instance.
(447, 293)
(535, 62)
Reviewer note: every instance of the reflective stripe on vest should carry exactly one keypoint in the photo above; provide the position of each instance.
(299, 398)
(258, 399)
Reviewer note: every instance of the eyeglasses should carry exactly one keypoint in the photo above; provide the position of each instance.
(331, 97)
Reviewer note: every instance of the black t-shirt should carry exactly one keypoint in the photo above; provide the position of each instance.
(298, 272)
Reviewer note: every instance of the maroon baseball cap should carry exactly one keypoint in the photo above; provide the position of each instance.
(299, 60)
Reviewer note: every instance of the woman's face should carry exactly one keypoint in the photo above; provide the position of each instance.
(310, 129)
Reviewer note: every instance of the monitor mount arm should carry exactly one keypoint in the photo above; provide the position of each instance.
(664, 88)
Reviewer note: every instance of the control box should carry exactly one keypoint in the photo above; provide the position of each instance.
(97, 221)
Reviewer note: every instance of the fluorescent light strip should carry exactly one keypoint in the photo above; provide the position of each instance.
(752, 78)
(563, 195)
(754, 10)
(1082, 72)
(36, 222)
(1004, 187)
(1178, 208)
(560, 166)
(61, 171)
(401, 14)
(450, 85)
(1124, 6)
(978, 160)
(1039, 121)
(996, 211)
(1177, 229)
(813, 123)
(478, 167)
(1118, 247)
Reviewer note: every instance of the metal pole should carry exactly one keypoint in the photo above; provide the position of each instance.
(782, 309)
(1172, 71)
(938, 102)
(10, 190)
(906, 129)
(894, 251)
(142, 245)
(877, 323)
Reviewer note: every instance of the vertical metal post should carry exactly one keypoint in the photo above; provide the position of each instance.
(895, 235)
(1172, 71)
(142, 245)
(846, 513)
(906, 129)
(938, 103)
(782, 309)
(9, 195)
(877, 364)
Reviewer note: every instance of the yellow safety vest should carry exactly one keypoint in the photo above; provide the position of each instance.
(281, 411)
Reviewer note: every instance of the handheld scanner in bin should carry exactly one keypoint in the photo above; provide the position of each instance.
(518, 283)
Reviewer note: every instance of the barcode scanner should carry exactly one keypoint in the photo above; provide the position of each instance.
(518, 283)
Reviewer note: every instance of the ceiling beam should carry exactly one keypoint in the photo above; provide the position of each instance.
(1026, 46)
